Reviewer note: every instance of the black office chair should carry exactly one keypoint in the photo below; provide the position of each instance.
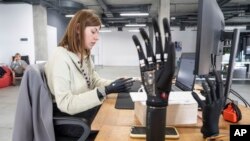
(34, 118)
(24, 58)
(72, 121)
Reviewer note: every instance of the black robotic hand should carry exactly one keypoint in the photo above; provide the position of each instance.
(213, 105)
(119, 85)
(157, 69)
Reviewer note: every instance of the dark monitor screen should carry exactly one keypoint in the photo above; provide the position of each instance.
(210, 25)
(185, 77)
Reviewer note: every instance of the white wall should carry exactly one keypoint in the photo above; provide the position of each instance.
(187, 38)
(52, 39)
(117, 48)
(16, 22)
(97, 52)
(113, 49)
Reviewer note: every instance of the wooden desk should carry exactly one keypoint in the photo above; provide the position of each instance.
(114, 124)
(108, 115)
(121, 133)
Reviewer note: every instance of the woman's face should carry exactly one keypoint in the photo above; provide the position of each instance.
(91, 35)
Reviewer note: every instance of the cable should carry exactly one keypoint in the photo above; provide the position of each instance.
(213, 61)
(233, 100)
(235, 93)
(240, 97)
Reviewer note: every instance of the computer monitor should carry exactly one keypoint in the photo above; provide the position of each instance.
(210, 26)
(185, 77)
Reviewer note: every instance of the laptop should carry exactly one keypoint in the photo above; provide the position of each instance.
(185, 78)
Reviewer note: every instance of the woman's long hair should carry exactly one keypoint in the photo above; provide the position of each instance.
(74, 41)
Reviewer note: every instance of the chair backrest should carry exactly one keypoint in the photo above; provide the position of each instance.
(37, 116)
(25, 58)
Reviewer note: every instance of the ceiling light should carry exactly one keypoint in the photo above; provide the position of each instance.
(233, 27)
(129, 25)
(134, 30)
(134, 14)
(172, 18)
(69, 16)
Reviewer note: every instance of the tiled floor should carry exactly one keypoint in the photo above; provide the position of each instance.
(8, 96)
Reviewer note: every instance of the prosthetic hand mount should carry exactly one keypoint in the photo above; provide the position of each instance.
(157, 71)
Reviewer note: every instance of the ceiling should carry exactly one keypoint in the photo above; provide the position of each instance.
(183, 12)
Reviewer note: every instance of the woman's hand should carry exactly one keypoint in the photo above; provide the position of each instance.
(119, 85)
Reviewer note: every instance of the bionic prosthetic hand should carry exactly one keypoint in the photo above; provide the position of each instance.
(119, 85)
(157, 71)
(213, 105)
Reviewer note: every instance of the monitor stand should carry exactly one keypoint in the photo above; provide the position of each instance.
(233, 50)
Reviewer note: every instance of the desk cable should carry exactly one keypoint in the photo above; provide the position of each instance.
(240, 97)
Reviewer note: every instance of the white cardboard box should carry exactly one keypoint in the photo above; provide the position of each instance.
(182, 109)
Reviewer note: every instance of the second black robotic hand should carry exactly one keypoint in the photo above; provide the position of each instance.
(213, 105)
(158, 68)
(119, 85)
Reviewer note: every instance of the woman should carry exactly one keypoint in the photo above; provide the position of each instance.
(70, 73)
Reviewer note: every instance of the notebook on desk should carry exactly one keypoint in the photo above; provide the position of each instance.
(124, 101)
(185, 78)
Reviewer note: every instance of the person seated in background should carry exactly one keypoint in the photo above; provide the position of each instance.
(18, 66)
